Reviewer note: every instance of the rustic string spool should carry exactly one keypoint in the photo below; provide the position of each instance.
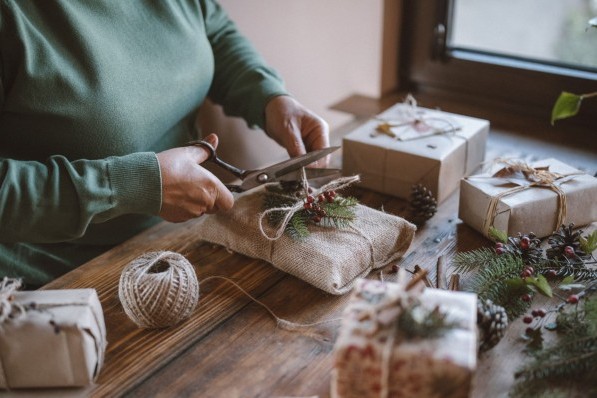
(158, 289)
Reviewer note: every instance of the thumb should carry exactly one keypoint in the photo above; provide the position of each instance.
(201, 153)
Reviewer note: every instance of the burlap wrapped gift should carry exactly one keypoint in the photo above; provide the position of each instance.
(373, 358)
(547, 194)
(393, 164)
(329, 258)
(53, 338)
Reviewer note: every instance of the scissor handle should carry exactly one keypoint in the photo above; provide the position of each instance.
(240, 173)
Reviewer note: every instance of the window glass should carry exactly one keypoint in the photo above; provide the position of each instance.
(549, 31)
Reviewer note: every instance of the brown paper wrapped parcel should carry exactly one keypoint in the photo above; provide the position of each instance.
(392, 165)
(531, 209)
(373, 359)
(60, 343)
(330, 259)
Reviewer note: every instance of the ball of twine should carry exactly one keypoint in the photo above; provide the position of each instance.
(158, 289)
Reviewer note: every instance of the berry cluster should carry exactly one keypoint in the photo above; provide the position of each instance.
(540, 313)
(314, 208)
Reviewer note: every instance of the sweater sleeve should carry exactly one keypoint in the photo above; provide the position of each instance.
(56, 200)
(243, 83)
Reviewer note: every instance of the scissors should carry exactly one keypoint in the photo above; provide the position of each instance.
(288, 170)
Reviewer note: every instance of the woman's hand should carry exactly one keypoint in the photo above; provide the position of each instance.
(189, 190)
(295, 127)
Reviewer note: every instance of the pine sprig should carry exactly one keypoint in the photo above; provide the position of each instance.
(466, 262)
(331, 212)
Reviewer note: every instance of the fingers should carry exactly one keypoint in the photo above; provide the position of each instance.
(201, 154)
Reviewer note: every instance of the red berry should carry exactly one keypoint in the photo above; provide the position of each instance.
(308, 206)
(310, 199)
(316, 219)
(552, 273)
(529, 331)
(526, 297)
(499, 244)
(572, 299)
(321, 197)
(524, 243)
(569, 251)
(527, 319)
(309, 189)
(330, 199)
(541, 312)
(534, 313)
(500, 250)
(525, 274)
(530, 269)
(332, 193)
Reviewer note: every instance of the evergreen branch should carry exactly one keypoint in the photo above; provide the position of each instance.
(466, 262)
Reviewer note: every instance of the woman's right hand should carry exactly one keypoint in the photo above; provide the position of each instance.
(189, 190)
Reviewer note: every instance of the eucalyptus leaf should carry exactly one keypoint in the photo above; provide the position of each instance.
(541, 284)
(570, 286)
(567, 105)
(498, 235)
(588, 244)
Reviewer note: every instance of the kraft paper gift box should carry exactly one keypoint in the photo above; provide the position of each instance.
(60, 342)
(514, 203)
(373, 359)
(392, 165)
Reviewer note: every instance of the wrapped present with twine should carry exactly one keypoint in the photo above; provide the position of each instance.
(331, 259)
(51, 338)
(405, 340)
(408, 145)
(518, 197)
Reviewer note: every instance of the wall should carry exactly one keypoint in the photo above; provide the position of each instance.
(325, 51)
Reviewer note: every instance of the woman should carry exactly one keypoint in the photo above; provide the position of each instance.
(97, 99)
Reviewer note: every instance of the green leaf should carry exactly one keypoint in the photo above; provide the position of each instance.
(541, 284)
(497, 235)
(567, 280)
(588, 244)
(567, 105)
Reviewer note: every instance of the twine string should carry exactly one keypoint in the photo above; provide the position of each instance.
(290, 211)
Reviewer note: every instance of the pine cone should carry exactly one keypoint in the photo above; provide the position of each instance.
(492, 322)
(561, 239)
(422, 203)
(526, 246)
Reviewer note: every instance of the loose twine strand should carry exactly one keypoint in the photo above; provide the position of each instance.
(290, 211)
(154, 300)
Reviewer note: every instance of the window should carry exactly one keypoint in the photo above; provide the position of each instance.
(511, 55)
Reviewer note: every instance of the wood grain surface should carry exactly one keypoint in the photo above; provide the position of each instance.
(231, 347)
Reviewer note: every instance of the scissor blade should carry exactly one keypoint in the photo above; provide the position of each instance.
(276, 171)
(290, 165)
(310, 173)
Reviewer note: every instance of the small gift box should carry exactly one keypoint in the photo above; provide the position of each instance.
(52, 338)
(396, 342)
(406, 145)
(539, 198)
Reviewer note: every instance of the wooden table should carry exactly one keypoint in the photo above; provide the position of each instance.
(231, 347)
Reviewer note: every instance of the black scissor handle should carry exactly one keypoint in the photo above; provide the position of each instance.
(240, 173)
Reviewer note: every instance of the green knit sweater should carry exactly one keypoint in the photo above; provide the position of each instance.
(89, 92)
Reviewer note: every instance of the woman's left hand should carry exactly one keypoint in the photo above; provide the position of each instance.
(295, 127)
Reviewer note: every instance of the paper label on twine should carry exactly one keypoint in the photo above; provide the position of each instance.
(370, 361)
(438, 162)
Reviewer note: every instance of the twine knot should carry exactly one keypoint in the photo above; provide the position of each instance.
(289, 211)
(158, 289)
(8, 308)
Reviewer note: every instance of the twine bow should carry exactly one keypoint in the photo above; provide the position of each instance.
(8, 308)
(409, 114)
(289, 211)
(525, 177)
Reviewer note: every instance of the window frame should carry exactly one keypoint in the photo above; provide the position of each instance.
(506, 84)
